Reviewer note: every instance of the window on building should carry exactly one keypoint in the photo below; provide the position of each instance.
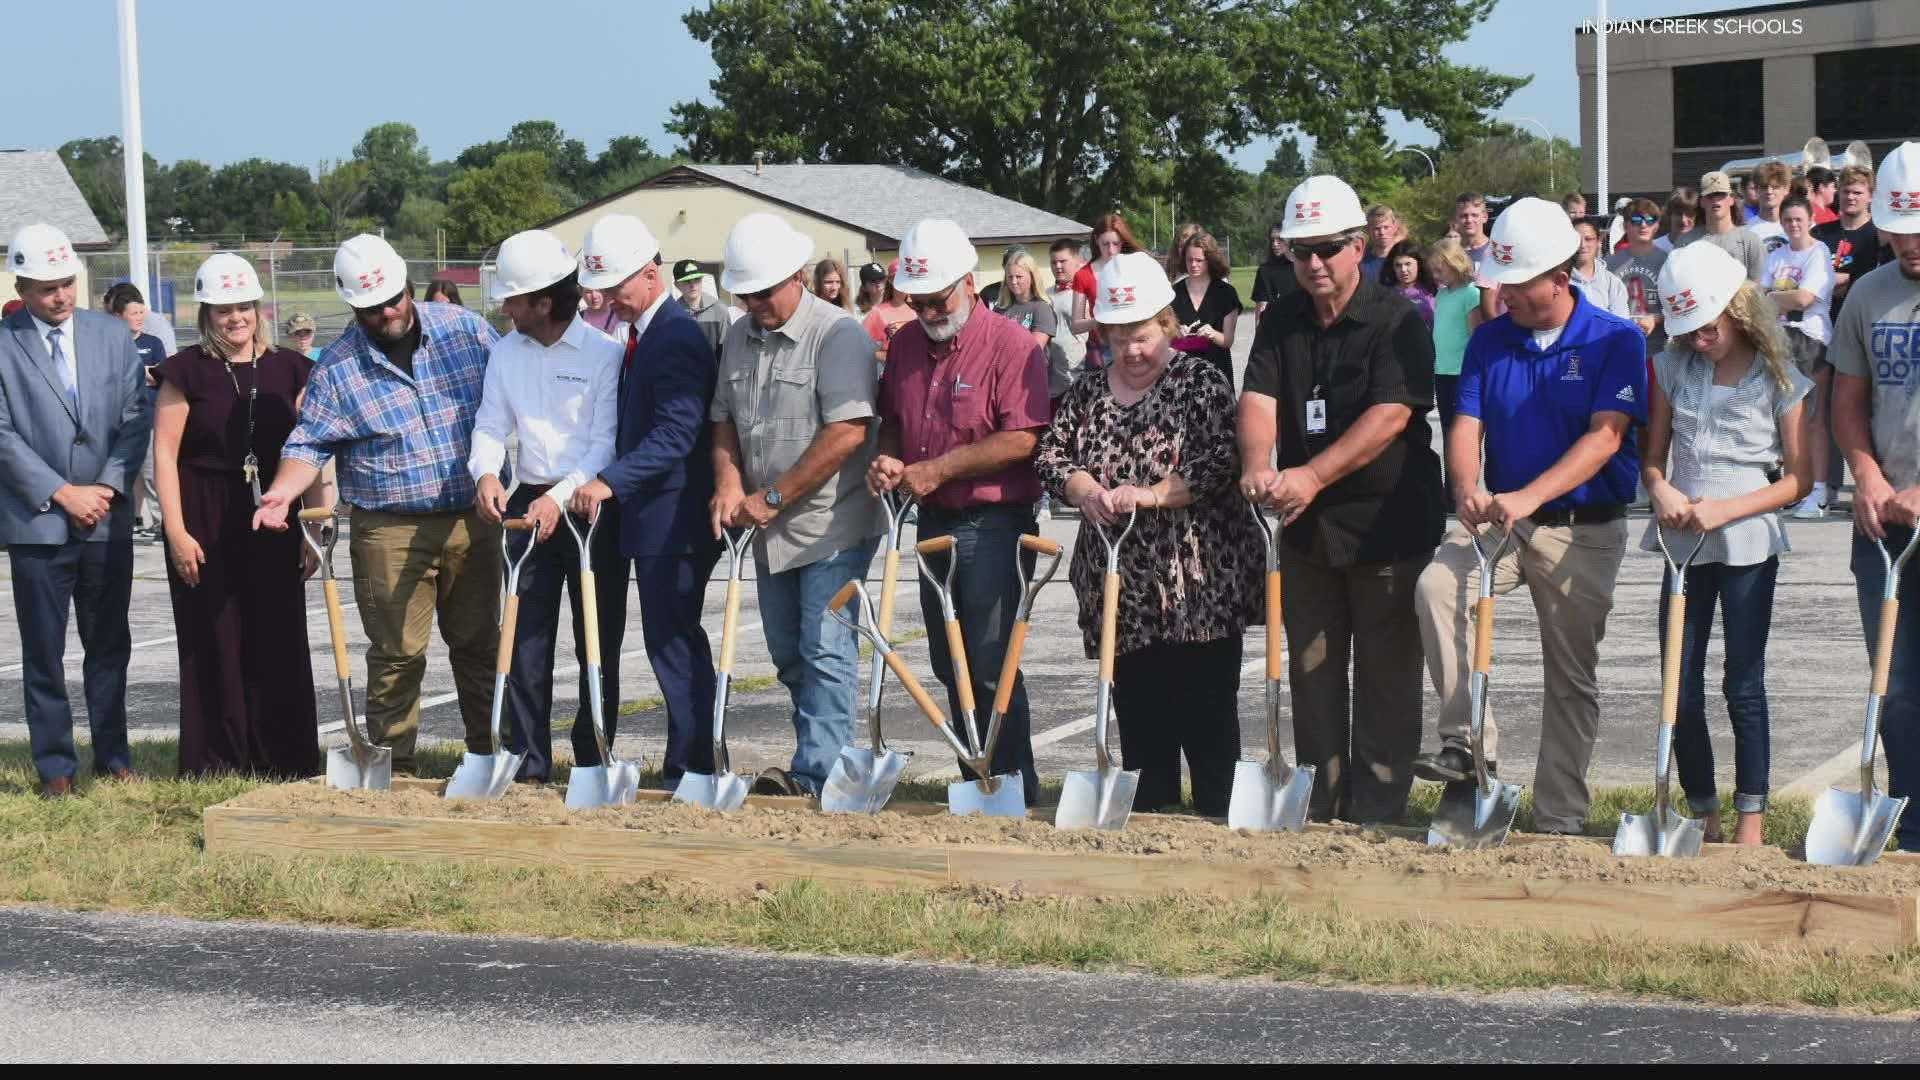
(1718, 104)
(1866, 93)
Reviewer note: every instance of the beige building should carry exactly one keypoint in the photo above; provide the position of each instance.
(35, 187)
(855, 213)
(1687, 94)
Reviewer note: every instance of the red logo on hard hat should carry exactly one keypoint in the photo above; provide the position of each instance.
(375, 276)
(914, 267)
(1903, 202)
(1501, 253)
(1120, 295)
(596, 264)
(58, 255)
(1682, 302)
(1306, 211)
(233, 281)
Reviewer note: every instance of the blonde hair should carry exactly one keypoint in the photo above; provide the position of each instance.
(210, 342)
(832, 266)
(1448, 253)
(1035, 290)
(1756, 319)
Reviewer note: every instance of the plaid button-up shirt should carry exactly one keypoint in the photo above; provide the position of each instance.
(402, 441)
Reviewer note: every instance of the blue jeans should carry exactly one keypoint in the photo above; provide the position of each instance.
(986, 594)
(1745, 595)
(1900, 719)
(817, 659)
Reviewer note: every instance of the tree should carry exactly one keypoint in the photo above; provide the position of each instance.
(624, 154)
(342, 190)
(98, 168)
(397, 165)
(485, 206)
(984, 93)
(1287, 163)
(1497, 166)
(243, 196)
(567, 162)
(186, 196)
(419, 218)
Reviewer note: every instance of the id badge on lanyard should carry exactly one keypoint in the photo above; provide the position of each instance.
(1316, 413)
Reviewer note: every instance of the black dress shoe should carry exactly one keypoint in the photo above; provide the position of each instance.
(774, 781)
(1449, 764)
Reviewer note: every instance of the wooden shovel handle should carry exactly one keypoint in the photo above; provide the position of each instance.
(1483, 635)
(1010, 668)
(316, 513)
(1883, 649)
(1109, 624)
(590, 617)
(962, 674)
(729, 626)
(914, 690)
(503, 661)
(1670, 663)
(935, 546)
(337, 625)
(1275, 669)
(1039, 544)
(888, 581)
(519, 524)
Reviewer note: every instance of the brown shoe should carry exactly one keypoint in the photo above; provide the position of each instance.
(60, 787)
(124, 776)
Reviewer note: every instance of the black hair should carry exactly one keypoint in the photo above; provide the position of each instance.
(1407, 249)
(564, 296)
(444, 288)
(1064, 244)
(120, 296)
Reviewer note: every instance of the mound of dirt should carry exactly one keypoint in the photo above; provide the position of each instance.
(1351, 847)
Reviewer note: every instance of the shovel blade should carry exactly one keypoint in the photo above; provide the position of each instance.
(1851, 828)
(1008, 799)
(724, 792)
(1641, 835)
(345, 772)
(1096, 799)
(592, 786)
(862, 781)
(1467, 820)
(484, 776)
(1261, 803)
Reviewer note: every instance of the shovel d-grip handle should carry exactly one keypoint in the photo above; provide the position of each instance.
(1039, 545)
(519, 525)
(590, 617)
(1275, 669)
(730, 625)
(503, 659)
(316, 513)
(1483, 635)
(1010, 668)
(1109, 624)
(889, 578)
(1883, 648)
(1670, 663)
(936, 546)
(337, 628)
(956, 641)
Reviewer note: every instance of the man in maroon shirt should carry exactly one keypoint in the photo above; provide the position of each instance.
(961, 407)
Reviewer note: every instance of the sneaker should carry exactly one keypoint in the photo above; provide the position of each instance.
(1808, 510)
(1450, 764)
(774, 781)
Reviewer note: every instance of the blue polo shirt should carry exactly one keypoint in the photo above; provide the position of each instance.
(1534, 405)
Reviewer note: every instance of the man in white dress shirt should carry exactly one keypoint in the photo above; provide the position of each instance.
(554, 382)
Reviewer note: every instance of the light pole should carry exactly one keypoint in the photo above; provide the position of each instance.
(1548, 132)
(1432, 173)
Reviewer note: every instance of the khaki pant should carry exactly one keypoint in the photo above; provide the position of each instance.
(1570, 570)
(406, 567)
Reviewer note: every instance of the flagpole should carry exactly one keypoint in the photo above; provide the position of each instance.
(132, 151)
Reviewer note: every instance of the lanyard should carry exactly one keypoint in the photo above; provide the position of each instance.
(250, 467)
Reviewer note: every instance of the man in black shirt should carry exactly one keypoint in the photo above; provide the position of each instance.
(1275, 278)
(1340, 382)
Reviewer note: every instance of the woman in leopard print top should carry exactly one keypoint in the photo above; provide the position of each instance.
(1154, 432)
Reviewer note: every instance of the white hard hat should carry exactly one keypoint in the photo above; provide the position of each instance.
(529, 261)
(1696, 284)
(1528, 239)
(42, 253)
(1896, 191)
(762, 251)
(1321, 206)
(1131, 288)
(226, 278)
(615, 248)
(934, 254)
(367, 271)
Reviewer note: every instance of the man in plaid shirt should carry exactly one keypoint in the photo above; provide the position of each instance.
(394, 400)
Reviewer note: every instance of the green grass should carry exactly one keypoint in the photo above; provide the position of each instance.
(1242, 280)
(137, 847)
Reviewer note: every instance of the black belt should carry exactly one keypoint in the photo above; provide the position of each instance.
(1580, 515)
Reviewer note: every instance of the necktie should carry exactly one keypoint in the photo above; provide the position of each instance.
(68, 377)
(633, 342)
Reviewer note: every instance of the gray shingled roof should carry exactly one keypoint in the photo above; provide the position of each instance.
(35, 186)
(885, 200)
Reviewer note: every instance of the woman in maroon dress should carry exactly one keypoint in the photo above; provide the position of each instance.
(226, 407)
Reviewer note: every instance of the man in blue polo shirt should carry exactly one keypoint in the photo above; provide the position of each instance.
(1555, 387)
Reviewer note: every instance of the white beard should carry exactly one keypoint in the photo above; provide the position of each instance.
(948, 328)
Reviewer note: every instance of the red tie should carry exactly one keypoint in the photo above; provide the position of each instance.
(633, 342)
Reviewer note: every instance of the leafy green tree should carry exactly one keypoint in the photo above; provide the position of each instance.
(485, 206)
(397, 165)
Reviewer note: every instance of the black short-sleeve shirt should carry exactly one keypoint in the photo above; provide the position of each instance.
(1219, 301)
(1378, 352)
(1274, 279)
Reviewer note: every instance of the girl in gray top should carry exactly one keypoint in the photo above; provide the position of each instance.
(1727, 402)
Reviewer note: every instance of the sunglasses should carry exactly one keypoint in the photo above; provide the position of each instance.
(936, 302)
(1326, 249)
(1642, 219)
(762, 296)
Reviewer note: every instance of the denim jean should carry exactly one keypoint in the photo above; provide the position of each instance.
(817, 659)
(1745, 596)
(1900, 718)
(986, 593)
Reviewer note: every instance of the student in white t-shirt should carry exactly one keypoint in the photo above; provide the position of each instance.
(1775, 182)
(1798, 278)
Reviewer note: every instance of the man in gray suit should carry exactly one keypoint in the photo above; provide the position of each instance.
(74, 422)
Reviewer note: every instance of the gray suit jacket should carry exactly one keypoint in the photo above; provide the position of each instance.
(44, 446)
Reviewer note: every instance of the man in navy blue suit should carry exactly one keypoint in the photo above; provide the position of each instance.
(661, 478)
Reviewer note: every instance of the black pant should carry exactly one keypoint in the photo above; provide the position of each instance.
(553, 565)
(1170, 698)
(1445, 389)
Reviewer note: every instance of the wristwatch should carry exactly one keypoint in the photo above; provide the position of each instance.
(773, 497)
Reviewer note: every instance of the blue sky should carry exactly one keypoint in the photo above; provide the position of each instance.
(311, 77)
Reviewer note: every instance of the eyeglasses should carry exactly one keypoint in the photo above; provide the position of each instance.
(1326, 249)
(762, 296)
(936, 302)
(1642, 219)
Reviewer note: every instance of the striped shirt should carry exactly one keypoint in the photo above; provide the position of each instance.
(403, 441)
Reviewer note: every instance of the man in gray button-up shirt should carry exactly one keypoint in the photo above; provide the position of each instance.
(791, 446)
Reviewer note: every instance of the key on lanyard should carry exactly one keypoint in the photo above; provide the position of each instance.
(250, 468)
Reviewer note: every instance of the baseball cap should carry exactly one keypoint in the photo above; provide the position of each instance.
(687, 270)
(872, 274)
(299, 321)
(1716, 183)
